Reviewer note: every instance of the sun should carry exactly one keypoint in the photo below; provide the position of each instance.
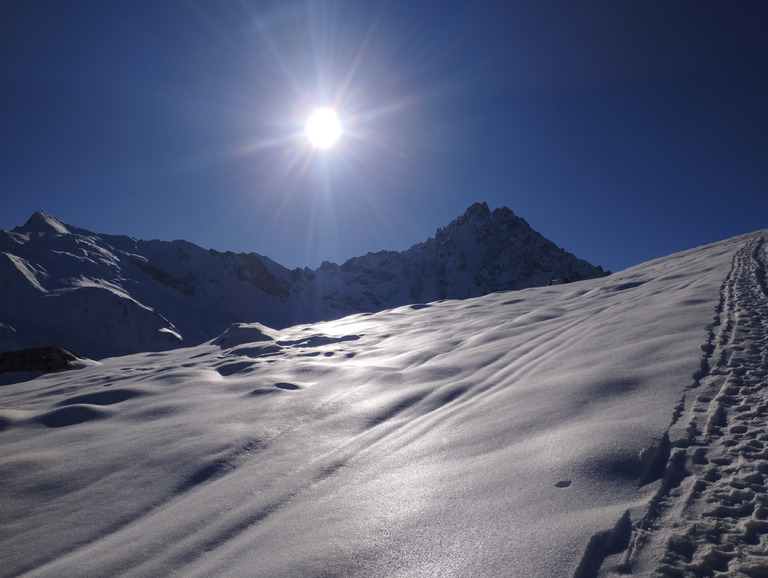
(323, 128)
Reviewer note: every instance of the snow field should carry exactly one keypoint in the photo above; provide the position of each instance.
(519, 434)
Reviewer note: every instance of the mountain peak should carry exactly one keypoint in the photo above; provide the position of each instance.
(478, 214)
(478, 218)
(42, 222)
(477, 209)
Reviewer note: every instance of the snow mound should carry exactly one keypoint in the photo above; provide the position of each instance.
(241, 333)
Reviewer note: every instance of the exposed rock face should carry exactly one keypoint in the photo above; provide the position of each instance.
(46, 359)
(106, 295)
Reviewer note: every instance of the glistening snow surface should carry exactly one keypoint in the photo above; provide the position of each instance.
(506, 435)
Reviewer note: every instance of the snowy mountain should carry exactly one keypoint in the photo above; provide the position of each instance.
(106, 295)
(610, 427)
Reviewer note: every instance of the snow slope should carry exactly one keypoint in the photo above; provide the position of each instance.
(106, 295)
(614, 425)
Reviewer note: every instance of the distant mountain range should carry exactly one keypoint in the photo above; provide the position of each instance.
(105, 295)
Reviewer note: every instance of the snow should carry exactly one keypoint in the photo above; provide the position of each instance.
(614, 425)
(42, 222)
(156, 295)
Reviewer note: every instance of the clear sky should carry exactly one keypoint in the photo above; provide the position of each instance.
(621, 130)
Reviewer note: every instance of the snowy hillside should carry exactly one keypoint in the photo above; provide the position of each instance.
(607, 427)
(105, 295)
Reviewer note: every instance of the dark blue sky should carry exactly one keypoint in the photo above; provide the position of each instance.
(621, 130)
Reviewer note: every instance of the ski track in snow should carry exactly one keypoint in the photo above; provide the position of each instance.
(710, 516)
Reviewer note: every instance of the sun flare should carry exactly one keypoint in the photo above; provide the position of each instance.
(323, 128)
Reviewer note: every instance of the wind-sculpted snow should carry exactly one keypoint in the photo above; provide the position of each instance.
(105, 295)
(573, 430)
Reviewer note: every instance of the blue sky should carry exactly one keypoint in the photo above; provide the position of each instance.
(621, 130)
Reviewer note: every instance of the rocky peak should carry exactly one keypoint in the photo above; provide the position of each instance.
(479, 222)
(477, 210)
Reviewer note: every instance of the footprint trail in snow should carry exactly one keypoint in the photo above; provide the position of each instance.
(710, 517)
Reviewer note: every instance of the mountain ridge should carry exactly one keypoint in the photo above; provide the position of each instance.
(104, 295)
